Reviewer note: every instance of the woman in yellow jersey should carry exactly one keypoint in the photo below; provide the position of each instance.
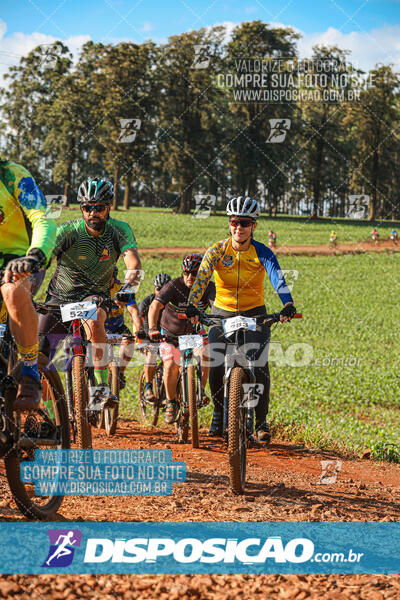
(239, 264)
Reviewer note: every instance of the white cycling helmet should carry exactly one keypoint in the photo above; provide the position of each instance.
(243, 207)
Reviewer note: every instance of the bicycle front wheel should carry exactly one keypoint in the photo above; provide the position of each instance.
(149, 411)
(47, 427)
(80, 387)
(237, 433)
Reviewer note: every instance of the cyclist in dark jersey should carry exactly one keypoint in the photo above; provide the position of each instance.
(87, 251)
(159, 281)
(173, 300)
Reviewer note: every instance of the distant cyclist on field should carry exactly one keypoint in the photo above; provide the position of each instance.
(27, 239)
(159, 281)
(239, 264)
(87, 251)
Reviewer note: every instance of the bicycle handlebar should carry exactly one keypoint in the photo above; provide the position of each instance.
(268, 319)
(46, 307)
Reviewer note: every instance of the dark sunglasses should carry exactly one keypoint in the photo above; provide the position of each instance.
(241, 222)
(97, 208)
(194, 273)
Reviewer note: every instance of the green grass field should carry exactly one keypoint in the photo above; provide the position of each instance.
(345, 397)
(156, 227)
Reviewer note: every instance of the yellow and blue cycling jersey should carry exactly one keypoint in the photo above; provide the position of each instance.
(239, 276)
(115, 317)
(23, 221)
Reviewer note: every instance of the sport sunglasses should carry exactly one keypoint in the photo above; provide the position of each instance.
(97, 208)
(194, 273)
(241, 222)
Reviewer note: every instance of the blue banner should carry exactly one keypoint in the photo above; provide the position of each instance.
(225, 548)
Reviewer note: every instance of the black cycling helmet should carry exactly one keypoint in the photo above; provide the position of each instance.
(191, 262)
(96, 190)
(243, 207)
(161, 279)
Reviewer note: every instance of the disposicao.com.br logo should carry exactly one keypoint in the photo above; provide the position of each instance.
(212, 551)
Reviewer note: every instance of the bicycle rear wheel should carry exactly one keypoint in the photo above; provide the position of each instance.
(192, 401)
(47, 427)
(80, 387)
(110, 415)
(237, 432)
(149, 411)
(182, 424)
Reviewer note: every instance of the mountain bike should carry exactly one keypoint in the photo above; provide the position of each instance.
(21, 433)
(78, 377)
(240, 396)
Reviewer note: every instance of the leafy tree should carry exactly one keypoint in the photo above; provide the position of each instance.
(32, 87)
(373, 124)
(188, 111)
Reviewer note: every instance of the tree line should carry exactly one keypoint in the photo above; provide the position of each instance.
(173, 121)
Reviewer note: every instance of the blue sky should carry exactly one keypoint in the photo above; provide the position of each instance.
(105, 19)
(370, 29)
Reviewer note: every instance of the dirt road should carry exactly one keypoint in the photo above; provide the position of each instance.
(310, 250)
(282, 486)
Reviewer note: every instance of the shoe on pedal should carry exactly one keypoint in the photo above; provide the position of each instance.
(100, 398)
(28, 394)
(171, 412)
(111, 402)
(149, 395)
(263, 433)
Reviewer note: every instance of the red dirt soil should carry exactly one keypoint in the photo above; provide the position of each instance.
(310, 250)
(282, 486)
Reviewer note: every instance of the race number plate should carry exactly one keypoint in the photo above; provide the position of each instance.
(235, 323)
(189, 342)
(78, 310)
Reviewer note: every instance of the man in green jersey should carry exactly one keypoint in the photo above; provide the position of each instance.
(87, 251)
(26, 241)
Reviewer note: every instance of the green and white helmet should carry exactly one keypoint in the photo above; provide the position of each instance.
(96, 190)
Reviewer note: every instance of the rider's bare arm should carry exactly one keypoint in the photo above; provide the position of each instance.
(154, 313)
(133, 265)
(136, 320)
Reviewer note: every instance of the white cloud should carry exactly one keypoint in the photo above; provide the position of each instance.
(367, 48)
(13, 47)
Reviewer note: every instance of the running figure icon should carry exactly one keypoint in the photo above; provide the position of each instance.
(62, 549)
